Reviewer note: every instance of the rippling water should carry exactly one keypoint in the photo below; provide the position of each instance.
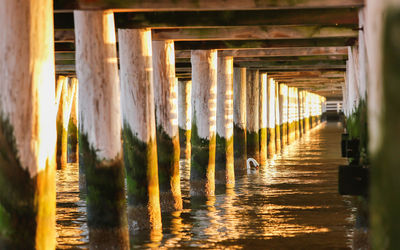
(291, 203)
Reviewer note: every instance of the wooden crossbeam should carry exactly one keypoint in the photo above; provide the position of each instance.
(237, 33)
(245, 44)
(213, 19)
(263, 64)
(276, 43)
(294, 51)
(180, 5)
(255, 32)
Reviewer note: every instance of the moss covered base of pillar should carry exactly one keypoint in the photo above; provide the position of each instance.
(301, 127)
(62, 142)
(184, 142)
(72, 148)
(271, 142)
(291, 132)
(27, 204)
(253, 145)
(141, 167)
(202, 171)
(284, 134)
(240, 147)
(278, 139)
(263, 146)
(306, 124)
(297, 129)
(105, 192)
(224, 168)
(168, 152)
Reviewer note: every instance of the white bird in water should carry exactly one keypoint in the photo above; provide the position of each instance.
(255, 163)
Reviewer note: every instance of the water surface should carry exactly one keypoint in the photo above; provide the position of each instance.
(291, 203)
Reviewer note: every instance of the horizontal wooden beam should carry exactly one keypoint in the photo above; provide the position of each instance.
(307, 74)
(290, 58)
(263, 64)
(244, 44)
(295, 51)
(322, 16)
(255, 32)
(199, 5)
(276, 43)
(236, 33)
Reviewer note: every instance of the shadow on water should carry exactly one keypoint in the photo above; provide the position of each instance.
(290, 203)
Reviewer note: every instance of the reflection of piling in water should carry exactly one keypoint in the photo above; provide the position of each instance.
(253, 114)
(239, 118)
(224, 168)
(185, 117)
(139, 132)
(27, 126)
(100, 127)
(204, 100)
(166, 106)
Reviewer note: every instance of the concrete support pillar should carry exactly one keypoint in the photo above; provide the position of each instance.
(263, 119)
(185, 117)
(62, 122)
(100, 152)
(204, 105)
(224, 167)
(239, 118)
(27, 125)
(73, 149)
(296, 113)
(252, 113)
(166, 106)
(138, 127)
(271, 117)
(301, 112)
(283, 113)
(277, 119)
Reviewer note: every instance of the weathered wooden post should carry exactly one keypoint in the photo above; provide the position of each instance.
(383, 23)
(138, 128)
(185, 117)
(301, 112)
(291, 113)
(252, 113)
(224, 161)
(166, 105)
(277, 120)
(204, 106)
(306, 101)
(100, 152)
(296, 114)
(239, 118)
(263, 119)
(271, 117)
(27, 125)
(283, 113)
(73, 149)
(62, 122)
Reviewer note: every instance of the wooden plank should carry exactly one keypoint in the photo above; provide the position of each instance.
(262, 64)
(276, 43)
(181, 5)
(296, 51)
(290, 58)
(255, 32)
(322, 16)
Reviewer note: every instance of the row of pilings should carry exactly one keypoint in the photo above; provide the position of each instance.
(127, 125)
